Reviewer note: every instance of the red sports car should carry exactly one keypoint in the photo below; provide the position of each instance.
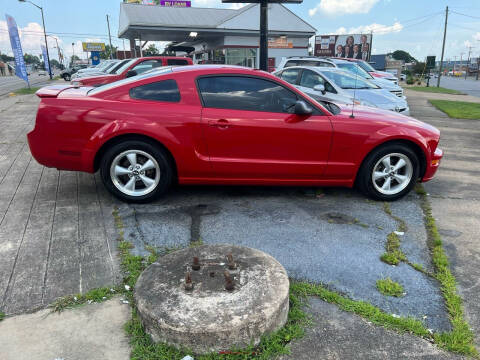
(213, 124)
(133, 67)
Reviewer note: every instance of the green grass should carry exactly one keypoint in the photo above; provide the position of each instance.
(388, 287)
(434, 89)
(2, 316)
(93, 296)
(26, 91)
(458, 109)
(460, 339)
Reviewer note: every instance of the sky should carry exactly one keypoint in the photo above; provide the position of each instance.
(415, 26)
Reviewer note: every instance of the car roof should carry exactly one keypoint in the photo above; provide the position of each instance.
(218, 68)
(314, 68)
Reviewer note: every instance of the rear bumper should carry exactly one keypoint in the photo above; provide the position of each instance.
(433, 165)
(45, 151)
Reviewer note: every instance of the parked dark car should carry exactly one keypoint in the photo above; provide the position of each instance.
(68, 72)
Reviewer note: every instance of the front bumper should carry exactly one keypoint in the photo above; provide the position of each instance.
(433, 165)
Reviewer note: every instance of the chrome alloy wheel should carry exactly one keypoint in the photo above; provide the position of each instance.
(392, 173)
(135, 172)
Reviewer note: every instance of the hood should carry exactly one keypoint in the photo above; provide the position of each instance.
(382, 74)
(381, 97)
(385, 84)
(95, 79)
(389, 117)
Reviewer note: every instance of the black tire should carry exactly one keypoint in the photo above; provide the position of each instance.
(166, 172)
(67, 77)
(365, 175)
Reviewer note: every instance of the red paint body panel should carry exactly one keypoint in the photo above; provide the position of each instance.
(109, 78)
(249, 147)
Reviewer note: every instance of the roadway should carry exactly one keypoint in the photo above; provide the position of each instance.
(13, 83)
(469, 86)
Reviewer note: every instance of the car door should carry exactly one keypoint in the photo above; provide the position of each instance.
(252, 133)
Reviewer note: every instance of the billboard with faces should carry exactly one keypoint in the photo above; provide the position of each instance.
(353, 46)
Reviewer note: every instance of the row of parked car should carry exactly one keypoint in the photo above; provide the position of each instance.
(347, 81)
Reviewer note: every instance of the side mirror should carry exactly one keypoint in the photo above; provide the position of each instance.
(131, 73)
(301, 108)
(320, 87)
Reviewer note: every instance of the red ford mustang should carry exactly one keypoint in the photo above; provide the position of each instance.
(226, 125)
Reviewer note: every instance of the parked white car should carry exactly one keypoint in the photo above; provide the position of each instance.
(338, 86)
(350, 66)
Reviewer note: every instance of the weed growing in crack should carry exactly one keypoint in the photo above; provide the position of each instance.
(393, 254)
(93, 296)
(388, 287)
(460, 339)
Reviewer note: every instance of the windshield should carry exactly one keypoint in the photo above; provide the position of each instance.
(347, 81)
(117, 66)
(365, 66)
(125, 66)
(115, 84)
(355, 69)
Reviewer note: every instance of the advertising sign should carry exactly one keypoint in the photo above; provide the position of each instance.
(20, 68)
(95, 56)
(177, 3)
(280, 42)
(91, 46)
(355, 46)
(45, 58)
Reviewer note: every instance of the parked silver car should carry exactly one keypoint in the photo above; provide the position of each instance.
(353, 67)
(336, 85)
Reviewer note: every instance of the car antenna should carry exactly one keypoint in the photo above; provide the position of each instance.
(354, 91)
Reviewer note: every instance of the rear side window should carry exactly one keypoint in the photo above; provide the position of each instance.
(177, 62)
(166, 90)
(245, 93)
(290, 75)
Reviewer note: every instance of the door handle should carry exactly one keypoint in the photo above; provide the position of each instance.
(221, 124)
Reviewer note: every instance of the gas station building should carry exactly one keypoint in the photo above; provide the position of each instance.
(218, 36)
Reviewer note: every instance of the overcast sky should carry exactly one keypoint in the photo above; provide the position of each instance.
(415, 26)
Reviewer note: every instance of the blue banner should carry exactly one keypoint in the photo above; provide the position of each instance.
(20, 68)
(95, 56)
(45, 58)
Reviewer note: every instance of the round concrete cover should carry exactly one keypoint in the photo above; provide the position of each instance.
(209, 318)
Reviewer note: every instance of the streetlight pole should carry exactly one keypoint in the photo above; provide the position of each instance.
(44, 34)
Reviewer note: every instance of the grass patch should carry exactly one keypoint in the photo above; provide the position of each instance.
(460, 339)
(93, 296)
(434, 89)
(458, 109)
(2, 316)
(26, 91)
(270, 346)
(364, 309)
(393, 254)
(388, 287)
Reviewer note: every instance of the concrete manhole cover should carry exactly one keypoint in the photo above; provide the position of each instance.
(213, 297)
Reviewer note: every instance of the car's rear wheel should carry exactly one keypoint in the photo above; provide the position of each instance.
(136, 171)
(389, 172)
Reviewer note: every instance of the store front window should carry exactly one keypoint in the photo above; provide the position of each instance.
(241, 56)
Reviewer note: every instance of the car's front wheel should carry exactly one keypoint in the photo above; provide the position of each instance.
(136, 171)
(67, 77)
(389, 172)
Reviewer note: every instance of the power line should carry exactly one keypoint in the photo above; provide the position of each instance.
(470, 16)
(421, 22)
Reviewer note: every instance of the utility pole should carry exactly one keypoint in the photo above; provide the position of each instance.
(110, 38)
(468, 60)
(443, 47)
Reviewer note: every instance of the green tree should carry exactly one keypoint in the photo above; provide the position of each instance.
(31, 59)
(403, 55)
(151, 51)
(6, 58)
(56, 64)
(419, 68)
(106, 54)
(73, 58)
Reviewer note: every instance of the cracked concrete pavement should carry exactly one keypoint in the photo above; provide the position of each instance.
(57, 234)
(455, 196)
